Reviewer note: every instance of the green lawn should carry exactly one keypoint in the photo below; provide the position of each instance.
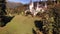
(19, 25)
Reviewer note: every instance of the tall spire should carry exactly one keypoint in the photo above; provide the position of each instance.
(38, 4)
(41, 0)
(45, 4)
(30, 1)
(31, 5)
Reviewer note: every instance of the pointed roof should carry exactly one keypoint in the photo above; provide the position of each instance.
(30, 1)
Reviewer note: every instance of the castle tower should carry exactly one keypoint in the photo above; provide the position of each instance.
(45, 4)
(31, 5)
(37, 8)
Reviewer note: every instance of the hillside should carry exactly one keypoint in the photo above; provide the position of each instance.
(13, 4)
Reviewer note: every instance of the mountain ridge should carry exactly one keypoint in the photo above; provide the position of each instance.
(13, 4)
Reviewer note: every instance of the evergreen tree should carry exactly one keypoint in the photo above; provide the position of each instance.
(57, 19)
(2, 10)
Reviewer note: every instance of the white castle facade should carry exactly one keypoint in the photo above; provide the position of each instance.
(36, 9)
(39, 8)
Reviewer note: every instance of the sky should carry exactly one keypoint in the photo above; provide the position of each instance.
(22, 1)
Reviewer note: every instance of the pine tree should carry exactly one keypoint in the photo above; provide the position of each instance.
(2, 10)
(57, 19)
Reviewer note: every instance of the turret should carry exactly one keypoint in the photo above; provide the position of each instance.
(45, 4)
(37, 8)
(31, 5)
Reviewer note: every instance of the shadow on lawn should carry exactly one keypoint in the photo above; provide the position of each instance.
(5, 20)
(38, 25)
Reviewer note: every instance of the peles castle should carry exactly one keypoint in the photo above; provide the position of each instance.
(39, 6)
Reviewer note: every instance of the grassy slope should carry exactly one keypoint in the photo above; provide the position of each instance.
(19, 25)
